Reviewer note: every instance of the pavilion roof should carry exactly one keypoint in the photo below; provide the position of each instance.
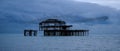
(53, 21)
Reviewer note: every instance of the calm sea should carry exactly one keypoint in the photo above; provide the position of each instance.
(93, 42)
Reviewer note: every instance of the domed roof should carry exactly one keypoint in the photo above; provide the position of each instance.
(53, 21)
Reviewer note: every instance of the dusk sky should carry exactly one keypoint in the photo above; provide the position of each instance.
(17, 15)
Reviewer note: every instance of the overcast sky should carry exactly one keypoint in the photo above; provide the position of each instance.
(111, 3)
(26, 14)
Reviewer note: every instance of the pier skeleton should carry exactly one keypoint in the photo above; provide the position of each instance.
(55, 27)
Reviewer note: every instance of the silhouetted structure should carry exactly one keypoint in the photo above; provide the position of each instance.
(55, 27)
(30, 32)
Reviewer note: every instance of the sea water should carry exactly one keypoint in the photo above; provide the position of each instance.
(95, 42)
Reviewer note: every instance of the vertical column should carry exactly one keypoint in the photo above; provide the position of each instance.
(79, 33)
(35, 33)
(55, 33)
(39, 27)
(52, 33)
(72, 33)
(61, 33)
(48, 33)
(82, 33)
(44, 33)
(75, 33)
(85, 33)
(24, 32)
(30, 33)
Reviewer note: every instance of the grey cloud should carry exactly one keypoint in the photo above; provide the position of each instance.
(110, 3)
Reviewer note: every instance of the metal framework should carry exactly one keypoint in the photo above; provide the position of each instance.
(55, 27)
